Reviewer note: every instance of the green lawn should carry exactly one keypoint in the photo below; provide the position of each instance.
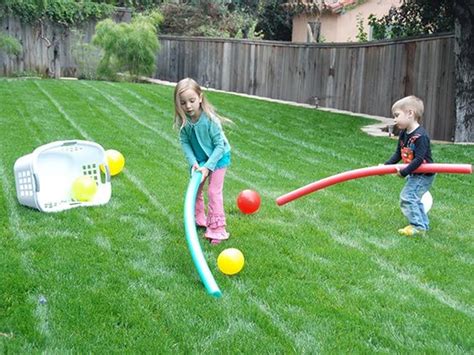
(326, 273)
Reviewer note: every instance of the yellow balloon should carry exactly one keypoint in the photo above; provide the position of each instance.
(84, 188)
(115, 160)
(230, 261)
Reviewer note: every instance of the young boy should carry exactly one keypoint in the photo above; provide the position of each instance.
(414, 149)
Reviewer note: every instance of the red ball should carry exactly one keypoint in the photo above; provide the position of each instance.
(248, 201)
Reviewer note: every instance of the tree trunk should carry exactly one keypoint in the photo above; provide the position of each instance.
(464, 67)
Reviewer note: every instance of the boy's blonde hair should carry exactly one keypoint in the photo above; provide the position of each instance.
(410, 103)
(209, 110)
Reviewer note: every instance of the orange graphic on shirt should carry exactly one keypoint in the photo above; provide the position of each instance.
(407, 155)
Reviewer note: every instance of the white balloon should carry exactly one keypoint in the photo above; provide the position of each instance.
(427, 201)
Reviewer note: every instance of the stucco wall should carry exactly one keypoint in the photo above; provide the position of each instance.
(342, 27)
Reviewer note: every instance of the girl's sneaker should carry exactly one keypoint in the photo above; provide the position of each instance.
(410, 231)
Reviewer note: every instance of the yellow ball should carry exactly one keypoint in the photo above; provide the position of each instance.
(115, 160)
(84, 188)
(230, 261)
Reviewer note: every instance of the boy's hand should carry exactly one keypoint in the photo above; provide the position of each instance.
(204, 171)
(398, 173)
(194, 167)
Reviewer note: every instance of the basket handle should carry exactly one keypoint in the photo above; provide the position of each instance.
(107, 173)
(37, 185)
(65, 144)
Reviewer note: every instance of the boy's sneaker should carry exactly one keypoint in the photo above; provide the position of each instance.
(411, 231)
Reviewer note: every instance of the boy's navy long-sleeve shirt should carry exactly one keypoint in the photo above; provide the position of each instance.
(414, 148)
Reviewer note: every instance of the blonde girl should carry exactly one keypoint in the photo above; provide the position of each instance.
(207, 150)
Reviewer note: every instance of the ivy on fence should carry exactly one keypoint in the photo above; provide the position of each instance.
(64, 12)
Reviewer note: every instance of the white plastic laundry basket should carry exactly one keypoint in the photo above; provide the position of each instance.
(44, 178)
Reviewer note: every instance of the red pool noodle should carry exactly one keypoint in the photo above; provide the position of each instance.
(371, 171)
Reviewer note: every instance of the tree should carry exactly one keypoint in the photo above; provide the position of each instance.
(414, 17)
(274, 22)
(208, 18)
(464, 64)
(225, 18)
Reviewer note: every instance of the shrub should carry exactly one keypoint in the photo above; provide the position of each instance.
(128, 47)
(10, 45)
(86, 55)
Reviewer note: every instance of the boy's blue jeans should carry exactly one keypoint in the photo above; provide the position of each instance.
(410, 200)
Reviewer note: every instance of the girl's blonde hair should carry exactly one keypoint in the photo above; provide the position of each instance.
(209, 110)
(410, 103)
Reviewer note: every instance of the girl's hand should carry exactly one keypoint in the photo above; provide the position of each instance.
(204, 171)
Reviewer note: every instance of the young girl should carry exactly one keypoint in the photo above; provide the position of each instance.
(207, 150)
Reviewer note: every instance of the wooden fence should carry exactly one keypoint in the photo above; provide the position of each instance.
(365, 78)
(37, 56)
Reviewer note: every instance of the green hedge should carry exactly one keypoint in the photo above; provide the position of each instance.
(63, 12)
